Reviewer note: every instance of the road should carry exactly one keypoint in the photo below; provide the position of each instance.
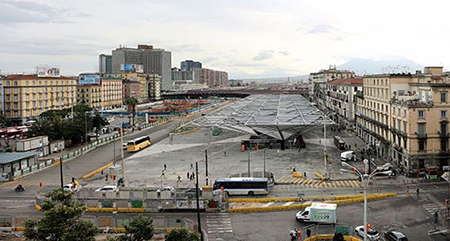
(79, 166)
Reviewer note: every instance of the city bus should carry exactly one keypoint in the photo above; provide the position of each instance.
(243, 185)
(138, 143)
(339, 142)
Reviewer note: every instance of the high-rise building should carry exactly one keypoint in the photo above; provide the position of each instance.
(105, 64)
(189, 65)
(25, 97)
(213, 78)
(154, 61)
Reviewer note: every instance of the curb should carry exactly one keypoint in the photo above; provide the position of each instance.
(311, 198)
(119, 210)
(304, 205)
(86, 176)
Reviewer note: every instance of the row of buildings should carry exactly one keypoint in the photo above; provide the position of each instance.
(402, 117)
(154, 61)
(25, 97)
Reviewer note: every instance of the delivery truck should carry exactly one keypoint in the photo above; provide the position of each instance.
(319, 213)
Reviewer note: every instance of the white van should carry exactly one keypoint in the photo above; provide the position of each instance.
(318, 212)
(348, 156)
(303, 216)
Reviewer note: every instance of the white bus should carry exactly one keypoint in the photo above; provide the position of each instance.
(243, 185)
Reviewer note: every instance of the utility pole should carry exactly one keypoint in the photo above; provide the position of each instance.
(122, 166)
(61, 173)
(325, 145)
(248, 171)
(264, 174)
(198, 203)
(206, 162)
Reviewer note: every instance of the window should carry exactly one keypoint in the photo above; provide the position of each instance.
(399, 122)
(421, 129)
(444, 128)
(443, 114)
(444, 145)
(393, 110)
(444, 97)
(421, 114)
(404, 113)
(421, 145)
(404, 126)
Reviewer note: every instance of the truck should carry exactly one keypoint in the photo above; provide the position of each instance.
(319, 213)
(348, 156)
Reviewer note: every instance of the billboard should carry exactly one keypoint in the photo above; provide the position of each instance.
(89, 79)
(48, 71)
(133, 68)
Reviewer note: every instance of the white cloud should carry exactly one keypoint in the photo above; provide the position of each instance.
(234, 35)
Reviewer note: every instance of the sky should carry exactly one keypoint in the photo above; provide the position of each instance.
(248, 39)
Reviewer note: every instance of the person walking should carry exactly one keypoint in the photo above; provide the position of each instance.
(162, 174)
(192, 166)
(193, 176)
(417, 191)
(165, 167)
(436, 215)
(188, 176)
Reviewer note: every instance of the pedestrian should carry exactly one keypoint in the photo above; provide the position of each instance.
(356, 145)
(436, 217)
(224, 153)
(106, 177)
(165, 167)
(349, 147)
(417, 191)
(179, 178)
(304, 174)
(188, 176)
(192, 166)
(193, 175)
(102, 173)
(162, 174)
(293, 169)
(320, 141)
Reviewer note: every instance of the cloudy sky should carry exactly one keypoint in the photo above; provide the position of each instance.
(251, 38)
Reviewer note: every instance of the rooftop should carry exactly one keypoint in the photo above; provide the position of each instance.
(32, 77)
(278, 116)
(347, 81)
(8, 157)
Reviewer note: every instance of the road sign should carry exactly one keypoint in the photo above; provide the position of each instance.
(446, 168)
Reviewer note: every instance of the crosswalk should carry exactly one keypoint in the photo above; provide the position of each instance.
(288, 179)
(429, 205)
(218, 226)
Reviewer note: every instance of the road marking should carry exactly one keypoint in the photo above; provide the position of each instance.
(268, 204)
(288, 203)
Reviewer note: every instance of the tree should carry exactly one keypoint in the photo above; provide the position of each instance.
(61, 220)
(131, 107)
(182, 234)
(5, 121)
(140, 229)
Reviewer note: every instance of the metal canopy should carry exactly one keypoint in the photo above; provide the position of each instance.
(278, 116)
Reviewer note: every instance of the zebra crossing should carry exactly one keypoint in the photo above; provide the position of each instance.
(288, 179)
(429, 205)
(218, 226)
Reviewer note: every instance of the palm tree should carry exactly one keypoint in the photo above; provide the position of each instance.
(131, 107)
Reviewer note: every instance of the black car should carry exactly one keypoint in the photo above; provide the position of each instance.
(395, 236)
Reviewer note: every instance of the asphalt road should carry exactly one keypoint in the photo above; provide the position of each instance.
(79, 166)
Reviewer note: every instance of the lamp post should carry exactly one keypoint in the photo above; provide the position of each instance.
(85, 125)
(365, 179)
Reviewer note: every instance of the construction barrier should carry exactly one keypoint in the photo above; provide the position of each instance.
(296, 174)
(319, 176)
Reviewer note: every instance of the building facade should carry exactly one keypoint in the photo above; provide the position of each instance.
(340, 100)
(404, 118)
(25, 97)
(189, 65)
(131, 89)
(213, 78)
(111, 92)
(326, 75)
(150, 84)
(90, 95)
(105, 64)
(154, 61)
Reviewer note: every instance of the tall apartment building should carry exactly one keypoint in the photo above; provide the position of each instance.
(90, 95)
(105, 64)
(189, 65)
(213, 78)
(404, 117)
(340, 100)
(154, 61)
(131, 89)
(25, 97)
(150, 84)
(326, 75)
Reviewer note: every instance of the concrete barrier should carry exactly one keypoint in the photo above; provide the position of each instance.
(319, 176)
(296, 174)
(97, 171)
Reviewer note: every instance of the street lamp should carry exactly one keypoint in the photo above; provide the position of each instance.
(365, 179)
(85, 124)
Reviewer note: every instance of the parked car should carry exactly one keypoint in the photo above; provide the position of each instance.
(71, 188)
(395, 236)
(107, 189)
(372, 234)
(124, 146)
(167, 188)
(192, 192)
(93, 135)
(386, 170)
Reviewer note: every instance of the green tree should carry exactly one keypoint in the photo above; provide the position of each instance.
(140, 229)
(182, 234)
(131, 107)
(61, 221)
(5, 121)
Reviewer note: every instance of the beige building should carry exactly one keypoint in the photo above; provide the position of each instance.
(150, 84)
(25, 97)
(405, 118)
(106, 95)
(326, 75)
(340, 100)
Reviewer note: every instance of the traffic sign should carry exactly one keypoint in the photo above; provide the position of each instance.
(446, 168)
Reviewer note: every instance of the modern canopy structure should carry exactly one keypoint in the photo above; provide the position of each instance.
(278, 116)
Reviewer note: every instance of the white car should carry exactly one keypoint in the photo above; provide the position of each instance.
(124, 146)
(72, 188)
(107, 189)
(164, 189)
(372, 234)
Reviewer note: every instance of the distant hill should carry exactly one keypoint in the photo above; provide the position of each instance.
(368, 66)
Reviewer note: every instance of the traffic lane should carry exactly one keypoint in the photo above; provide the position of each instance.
(81, 165)
(401, 214)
